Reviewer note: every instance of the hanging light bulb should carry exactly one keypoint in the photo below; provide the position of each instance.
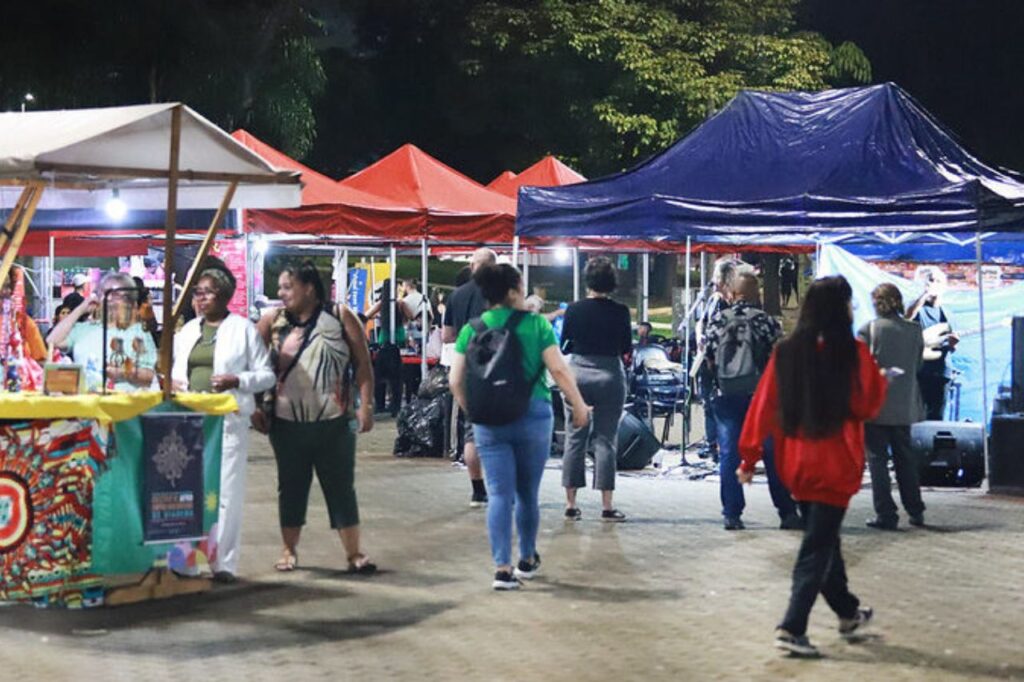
(260, 246)
(115, 208)
(562, 254)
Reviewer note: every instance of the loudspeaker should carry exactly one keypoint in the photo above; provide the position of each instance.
(1017, 366)
(636, 443)
(1006, 455)
(951, 453)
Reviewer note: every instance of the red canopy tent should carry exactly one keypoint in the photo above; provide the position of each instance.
(456, 207)
(329, 208)
(504, 183)
(548, 172)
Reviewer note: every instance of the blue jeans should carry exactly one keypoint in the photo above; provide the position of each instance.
(730, 411)
(513, 458)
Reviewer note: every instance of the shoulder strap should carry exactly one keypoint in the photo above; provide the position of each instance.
(306, 336)
(478, 325)
(514, 319)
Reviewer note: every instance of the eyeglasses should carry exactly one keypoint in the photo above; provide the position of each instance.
(202, 292)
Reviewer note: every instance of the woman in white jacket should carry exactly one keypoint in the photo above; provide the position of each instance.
(220, 351)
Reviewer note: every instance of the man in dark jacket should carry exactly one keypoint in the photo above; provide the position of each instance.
(897, 346)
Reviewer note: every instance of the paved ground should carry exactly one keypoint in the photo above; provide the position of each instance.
(667, 595)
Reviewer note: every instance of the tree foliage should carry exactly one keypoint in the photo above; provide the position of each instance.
(640, 73)
(245, 63)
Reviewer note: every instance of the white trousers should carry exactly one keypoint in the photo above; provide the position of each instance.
(233, 458)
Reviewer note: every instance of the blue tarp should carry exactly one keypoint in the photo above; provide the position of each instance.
(848, 160)
(961, 305)
(1000, 248)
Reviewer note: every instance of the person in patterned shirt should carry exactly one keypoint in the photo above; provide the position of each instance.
(732, 395)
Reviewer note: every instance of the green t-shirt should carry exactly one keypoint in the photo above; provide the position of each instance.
(200, 361)
(535, 335)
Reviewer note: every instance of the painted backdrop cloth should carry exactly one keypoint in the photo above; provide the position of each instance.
(961, 305)
(48, 470)
(117, 509)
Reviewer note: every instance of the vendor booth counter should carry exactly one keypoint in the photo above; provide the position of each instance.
(93, 487)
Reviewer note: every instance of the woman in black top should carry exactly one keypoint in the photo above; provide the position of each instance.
(597, 332)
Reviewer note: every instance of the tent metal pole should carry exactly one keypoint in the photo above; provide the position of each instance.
(515, 250)
(343, 289)
(250, 280)
(984, 359)
(425, 310)
(50, 282)
(645, 312)
(686, 339)
(575, 273)
(393, 286)
(526, 271)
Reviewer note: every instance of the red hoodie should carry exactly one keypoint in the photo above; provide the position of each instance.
(827, 470)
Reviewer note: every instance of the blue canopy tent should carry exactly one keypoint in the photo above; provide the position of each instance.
(849, 160)
(848, 164)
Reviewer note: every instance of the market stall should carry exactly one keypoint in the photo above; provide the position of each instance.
(97, 485)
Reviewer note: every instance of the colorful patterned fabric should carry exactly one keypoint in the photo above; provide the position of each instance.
(47, 473)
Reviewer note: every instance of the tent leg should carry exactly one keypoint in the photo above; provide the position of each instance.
(526, 272)
(515, 250)
(425, 312)
(645, 307)
(204, 248)
(24, 219)
(393, 262)
(167, 333)
(51, 270)
(984, 359)
(686, 339)
(575, 273)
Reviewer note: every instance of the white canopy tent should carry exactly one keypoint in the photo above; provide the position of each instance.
(158, 156)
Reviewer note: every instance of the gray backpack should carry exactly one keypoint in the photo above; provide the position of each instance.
(739, 361)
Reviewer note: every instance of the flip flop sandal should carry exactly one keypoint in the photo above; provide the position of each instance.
(367, 567)
(287, 563)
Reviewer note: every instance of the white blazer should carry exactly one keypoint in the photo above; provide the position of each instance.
(239, 350)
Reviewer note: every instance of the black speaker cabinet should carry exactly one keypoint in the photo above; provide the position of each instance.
(1006, 455)
(951, 453)
(636, 444)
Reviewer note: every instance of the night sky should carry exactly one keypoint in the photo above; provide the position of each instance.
(962, 59)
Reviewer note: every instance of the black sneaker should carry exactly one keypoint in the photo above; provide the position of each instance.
(792, 522)
(734, 523)
(883, 524)
(573, 514)
(612, 515)
(478, 500)
(526, 570)
(917, 520)
(849, 626)
(504, 581)
(796, 645)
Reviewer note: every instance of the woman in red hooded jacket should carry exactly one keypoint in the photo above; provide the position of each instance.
(819, 387)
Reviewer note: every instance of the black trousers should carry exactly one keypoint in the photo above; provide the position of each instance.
(387, 372)
(819, 568)
(933, 393)
(880, 441)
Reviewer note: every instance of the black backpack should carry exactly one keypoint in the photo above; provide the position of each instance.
(497, 389)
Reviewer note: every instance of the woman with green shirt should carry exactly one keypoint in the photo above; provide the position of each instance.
(514, 454)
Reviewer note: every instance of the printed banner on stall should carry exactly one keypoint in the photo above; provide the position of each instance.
(47, 473)
(233, 252)
(173, 476)
(357, 280)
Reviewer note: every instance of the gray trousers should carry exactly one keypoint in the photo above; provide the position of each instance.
(880, 440)
(602, 382)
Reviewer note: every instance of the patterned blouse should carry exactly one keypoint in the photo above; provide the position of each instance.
(314, 387)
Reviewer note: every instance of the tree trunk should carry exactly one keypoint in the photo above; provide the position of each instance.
(770, 271)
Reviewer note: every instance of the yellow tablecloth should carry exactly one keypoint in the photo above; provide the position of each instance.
(106, 408)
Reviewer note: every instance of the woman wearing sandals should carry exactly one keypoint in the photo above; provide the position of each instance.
(597, 332)
(309, 413)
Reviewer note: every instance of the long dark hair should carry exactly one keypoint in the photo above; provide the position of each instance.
(816, 365)
(306, 273)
